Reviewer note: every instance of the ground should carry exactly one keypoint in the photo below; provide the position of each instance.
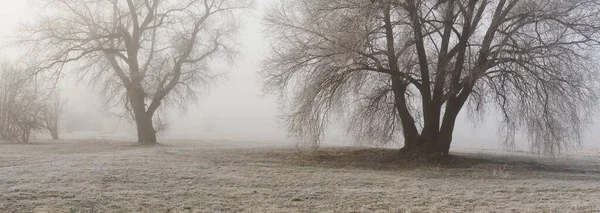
(220, 176)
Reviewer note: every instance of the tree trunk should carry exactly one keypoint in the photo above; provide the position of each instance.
(52, 127)
(54, 133)
(428, 142)
(445, 137)
(145, 129)
(411, 135)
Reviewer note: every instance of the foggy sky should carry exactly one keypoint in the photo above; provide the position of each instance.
(234, 108)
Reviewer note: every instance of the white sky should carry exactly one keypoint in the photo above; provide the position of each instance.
(234, 107)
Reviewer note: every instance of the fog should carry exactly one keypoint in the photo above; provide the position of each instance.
(234, 108)
(227, 150)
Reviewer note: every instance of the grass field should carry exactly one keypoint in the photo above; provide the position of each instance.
(197, 176)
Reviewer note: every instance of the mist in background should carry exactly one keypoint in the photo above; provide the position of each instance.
(233, 109)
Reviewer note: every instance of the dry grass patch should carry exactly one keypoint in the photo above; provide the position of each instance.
(84, 176)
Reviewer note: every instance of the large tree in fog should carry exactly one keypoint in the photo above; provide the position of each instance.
(405, 68)
(143, 54)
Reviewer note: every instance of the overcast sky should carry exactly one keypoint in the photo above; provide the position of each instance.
(234, 109)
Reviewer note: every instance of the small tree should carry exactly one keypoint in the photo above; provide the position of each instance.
(52, 114)
(408, 67)
(143, 54)
(21, 104)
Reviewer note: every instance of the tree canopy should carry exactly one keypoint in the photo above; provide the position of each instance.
(405, 69)
(142, 54)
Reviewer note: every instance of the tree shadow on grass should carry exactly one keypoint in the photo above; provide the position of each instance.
(390, 159)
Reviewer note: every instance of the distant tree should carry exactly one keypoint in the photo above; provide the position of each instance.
(21, 104)
(5, 100)
(143, 54)
(53, 111)
(407, 68)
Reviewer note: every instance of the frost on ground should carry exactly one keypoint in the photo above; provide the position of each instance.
(85, 176)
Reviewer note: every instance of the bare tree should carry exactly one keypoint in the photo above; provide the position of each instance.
(407, 68)
(143, 54)
(52, 114)
(20, 104)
